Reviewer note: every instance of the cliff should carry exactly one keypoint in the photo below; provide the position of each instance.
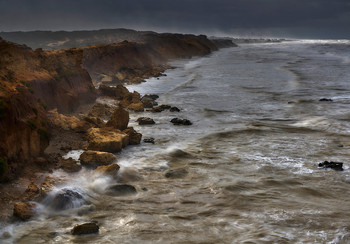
(132, 62)
(30, 83)
(34, 81)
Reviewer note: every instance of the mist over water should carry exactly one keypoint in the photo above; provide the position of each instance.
(251, 155)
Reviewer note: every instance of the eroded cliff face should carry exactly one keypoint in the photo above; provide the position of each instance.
(133, 62)
(30, 83)
(34, 81)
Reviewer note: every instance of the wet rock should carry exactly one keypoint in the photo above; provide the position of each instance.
(121, 190)
(130, 99)
(331, 165)
(149, 140)
(134, 136)
(153, 97)
(69, 165)
(24, 210)
(102, 111)
(137, 107)
(119, 119)
(32, 192)
(176, 173)
(177, 121)
(106, 139)
(111, 170)
(85, 228)
(94, 159)
(326, 100)
(160, 108)
(174, 109)
(65, 199)
(145, 121)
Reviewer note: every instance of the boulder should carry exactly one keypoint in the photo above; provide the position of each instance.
(65, 199)
(160, 108)
(129, 99)
(176, 173)
(94, 159)
(177, 121)
(326, 100)
(119, 119)
(111, 170)
(134, 136)
(149, 101)
(137, 107)
(32, 192)
(121, 190)
(24, 210)
(149, 140)
(106, 139)
(145, 121)
(331, 165)
(69, 165)
(100, 110)
(85, 228)
(174, 109)
(118, 92)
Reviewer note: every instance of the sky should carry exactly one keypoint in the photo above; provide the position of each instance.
(258, 18)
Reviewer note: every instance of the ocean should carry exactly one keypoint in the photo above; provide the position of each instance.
(250, 158)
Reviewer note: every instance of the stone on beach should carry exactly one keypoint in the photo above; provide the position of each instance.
(119, 119)
(94, 159)
(24, 210)
(111, 170)
(137, 107)
(106, 139)
(134, 136)
(69, 165)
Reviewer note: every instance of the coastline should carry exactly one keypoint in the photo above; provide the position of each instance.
(68, 130)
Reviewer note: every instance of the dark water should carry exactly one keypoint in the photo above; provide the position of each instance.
(258, 134)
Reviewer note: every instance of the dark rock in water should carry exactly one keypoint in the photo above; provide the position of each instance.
(85, 228)
(326, 100)
(174, 109)
(331, 165)
(176, 173)
(121, 190)
(148, 140)
(177, 121)
(145, 121)
(160, 108)
(66, 199)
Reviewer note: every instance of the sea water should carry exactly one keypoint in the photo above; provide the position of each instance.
(259, 131)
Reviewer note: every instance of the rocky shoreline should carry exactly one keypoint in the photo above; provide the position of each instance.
(49, 107)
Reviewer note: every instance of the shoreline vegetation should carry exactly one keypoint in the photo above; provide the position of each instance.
(55, 101)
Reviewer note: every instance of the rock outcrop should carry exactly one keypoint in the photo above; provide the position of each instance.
(106, 139)
(94, 159)
(119, 119)
(24, 210)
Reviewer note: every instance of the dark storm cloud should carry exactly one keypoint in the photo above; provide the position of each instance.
(330, 17)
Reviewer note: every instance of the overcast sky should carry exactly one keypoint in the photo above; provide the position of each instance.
(291, 18)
